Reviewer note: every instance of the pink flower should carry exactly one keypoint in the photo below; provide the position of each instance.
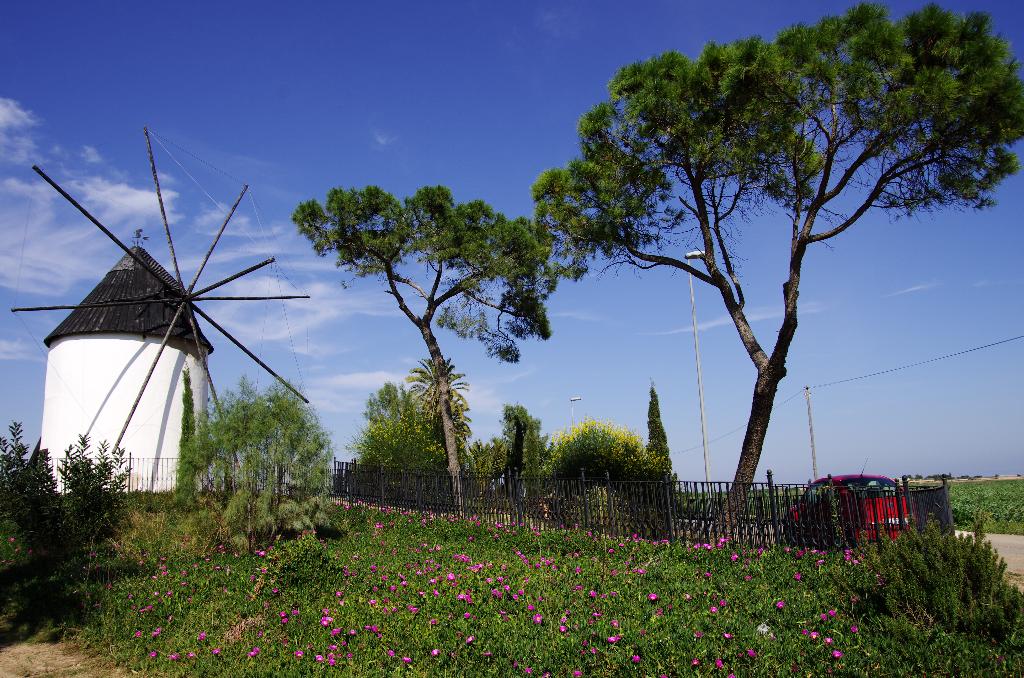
(202, 636)
(837, 654)
(780, 604)
(435, 652)
(470, 639)
(319, 657)
(298, 653)
(652, 597)
(537, 618)
(713, 609)
(853, 629)
(215, 652)
(138, 634)
(614, 639)
(636, 659)
(751, 653)
(562, 628)
(407, 660)
(797, 576)
(695, 662)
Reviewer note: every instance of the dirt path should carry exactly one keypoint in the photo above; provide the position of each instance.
(23, 659)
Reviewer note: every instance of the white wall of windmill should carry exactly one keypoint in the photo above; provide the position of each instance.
(92, 381)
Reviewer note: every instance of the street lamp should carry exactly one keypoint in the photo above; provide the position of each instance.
(697, 254)
(572, 408)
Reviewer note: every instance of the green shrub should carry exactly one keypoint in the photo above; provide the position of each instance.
(301, 563)
(93, 492)
(597, 447)
(956, 583)
(28, 492)
(84, 513)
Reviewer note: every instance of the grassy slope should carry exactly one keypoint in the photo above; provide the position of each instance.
(388, 579)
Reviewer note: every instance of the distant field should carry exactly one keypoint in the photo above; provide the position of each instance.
(1002, 500)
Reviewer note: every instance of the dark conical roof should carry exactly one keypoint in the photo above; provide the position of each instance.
(128, 280)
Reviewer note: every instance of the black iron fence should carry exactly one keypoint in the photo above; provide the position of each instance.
(759, 514)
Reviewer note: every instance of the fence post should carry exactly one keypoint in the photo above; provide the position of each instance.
(462, 494)
(774, 507)
(419, 491)
(608, 495)
(899, 504)
(948, 508)
(586, 501)
(516, 487)
(669, 522)
(380, 472)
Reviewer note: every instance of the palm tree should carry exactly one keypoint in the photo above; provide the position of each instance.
(424, 385)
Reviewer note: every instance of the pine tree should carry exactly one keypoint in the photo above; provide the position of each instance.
(657, 441)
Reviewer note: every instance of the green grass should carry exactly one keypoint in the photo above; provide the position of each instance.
(387, 586)
(1001, 500)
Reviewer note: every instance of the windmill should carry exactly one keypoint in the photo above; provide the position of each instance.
(137, 298)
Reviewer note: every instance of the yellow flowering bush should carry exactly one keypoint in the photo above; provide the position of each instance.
(599, 446)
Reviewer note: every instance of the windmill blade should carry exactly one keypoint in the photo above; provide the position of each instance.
(106, 231)
(149, 374)
(225, 281)
(286, 296)
(95, 304)
(216, 239)
(163, 212)
(249, 353)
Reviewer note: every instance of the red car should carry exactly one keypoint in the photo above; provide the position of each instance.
(864, 506)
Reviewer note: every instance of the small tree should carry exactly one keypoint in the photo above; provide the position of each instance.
(398, 433)
(598, 447)
(267, 457)
(522, 432)
(657, 440)
(188, 466)
(461, 266)
(825, 123)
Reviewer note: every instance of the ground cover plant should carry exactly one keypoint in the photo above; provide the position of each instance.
(1000, 501)
(388, 593)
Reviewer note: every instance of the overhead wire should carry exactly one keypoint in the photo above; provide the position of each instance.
(866, 376)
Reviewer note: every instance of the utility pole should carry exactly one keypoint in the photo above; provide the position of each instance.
(697, 254)
(810, 427)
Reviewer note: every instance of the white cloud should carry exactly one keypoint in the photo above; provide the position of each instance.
(16, 143)
(346, 392)
(582, 316)
(117, 203)
(91, 155)
(558, 23)
(383, 139)
(17, 350)
(914, 288)
(753, 316)
(253, 321)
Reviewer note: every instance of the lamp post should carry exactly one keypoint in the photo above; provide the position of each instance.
(697, 254)
(572, 408)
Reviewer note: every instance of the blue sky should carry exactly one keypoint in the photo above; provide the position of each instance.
(295, 98)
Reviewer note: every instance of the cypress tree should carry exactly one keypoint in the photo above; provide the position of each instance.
(188, 412)
(657, 440)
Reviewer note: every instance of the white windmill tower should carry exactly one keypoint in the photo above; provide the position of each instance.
(114, 367)
(97, 361)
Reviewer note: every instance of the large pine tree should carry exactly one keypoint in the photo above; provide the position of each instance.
(657, 441)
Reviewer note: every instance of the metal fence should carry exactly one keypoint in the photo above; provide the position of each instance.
(149, 474)
(759, 514)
